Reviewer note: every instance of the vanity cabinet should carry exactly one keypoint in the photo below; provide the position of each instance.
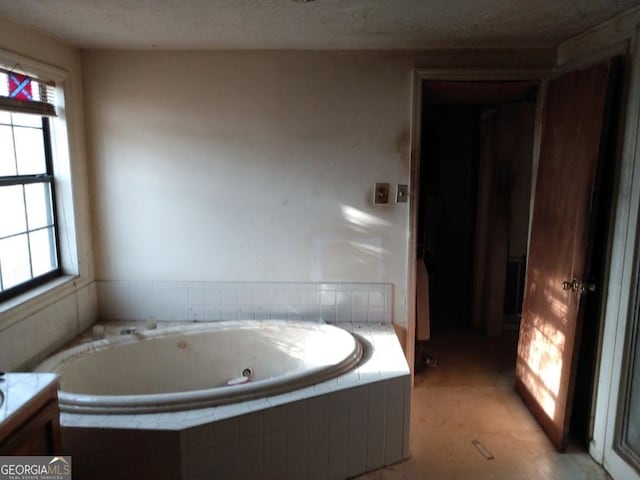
(30, 417)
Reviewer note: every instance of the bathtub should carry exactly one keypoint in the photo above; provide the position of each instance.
(199, 366)
(332, 422)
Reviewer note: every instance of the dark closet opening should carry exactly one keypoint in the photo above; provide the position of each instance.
(477, 140)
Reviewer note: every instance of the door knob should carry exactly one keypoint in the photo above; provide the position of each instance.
(574, 286)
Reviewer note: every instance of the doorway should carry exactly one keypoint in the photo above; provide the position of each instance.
(473, 219)
(465, 293)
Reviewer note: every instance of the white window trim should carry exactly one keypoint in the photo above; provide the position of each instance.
(17, 308)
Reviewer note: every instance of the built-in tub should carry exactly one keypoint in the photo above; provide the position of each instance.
(334, 428)
(200, 365)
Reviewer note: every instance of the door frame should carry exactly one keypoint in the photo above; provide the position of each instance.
(618, 302)
(460, 74)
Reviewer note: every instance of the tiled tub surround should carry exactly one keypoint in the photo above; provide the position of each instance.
(356, 422)
(213, 301)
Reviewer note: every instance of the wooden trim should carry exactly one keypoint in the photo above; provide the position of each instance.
(414, 198)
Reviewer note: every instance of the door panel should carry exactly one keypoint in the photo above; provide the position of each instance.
(560, 245)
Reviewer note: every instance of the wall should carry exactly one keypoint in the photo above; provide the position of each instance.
(254, 166)
(248, 166)
(34, 325)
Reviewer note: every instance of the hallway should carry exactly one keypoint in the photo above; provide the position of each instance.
(469, 396)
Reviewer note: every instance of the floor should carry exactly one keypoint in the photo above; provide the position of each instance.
(469, 396)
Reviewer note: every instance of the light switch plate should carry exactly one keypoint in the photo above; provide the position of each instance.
(402, 193)
(381, 193)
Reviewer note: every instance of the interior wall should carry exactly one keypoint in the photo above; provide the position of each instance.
(514, 148)
(34, 325)
(248, 166)
(254, 166)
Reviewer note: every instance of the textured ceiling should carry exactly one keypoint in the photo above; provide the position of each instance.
(319, 24)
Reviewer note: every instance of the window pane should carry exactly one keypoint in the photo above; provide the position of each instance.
(39, 211)
(12, 213)
(5, 117)
(14, 261)
(43, 251)
(29, 150)
(27, 120)
(7, 157)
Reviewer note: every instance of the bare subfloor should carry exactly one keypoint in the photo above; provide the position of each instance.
(469, 396)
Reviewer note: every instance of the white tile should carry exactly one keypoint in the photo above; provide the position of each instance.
(407, 417)
(338, 434)
(375, 315)
(296, 413)
(388, 298)
(274, 419)
(262, 297)
(212, 313)
(376, 297)
(246, 312)
(225, 460)
(200, 438)
(318, 438)
(357, 455)
(295, 298)
(246, 296)
(360, 315)
(376, 422)
(295, 316)
(226, 432)
(228, 313)
(87, 306)
(274, 455)
(394, 425)
(229, 296)
(200, 464)
(212, 294)
(328, 298)
(279, 297)
(312, 314)
(311, 299)
(350, 287)
(250, 460)
(280, 399)
(360, 299)
(296, 452)
(344, 307)
(250, 425)
(328, 313)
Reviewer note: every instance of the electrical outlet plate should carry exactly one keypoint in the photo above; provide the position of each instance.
(381, 193)
(402, 193)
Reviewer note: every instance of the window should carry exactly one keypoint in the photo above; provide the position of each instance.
(28, 232)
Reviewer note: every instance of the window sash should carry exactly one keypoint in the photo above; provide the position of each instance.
(28, 179)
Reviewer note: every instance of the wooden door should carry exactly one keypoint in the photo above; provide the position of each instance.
(572, 149)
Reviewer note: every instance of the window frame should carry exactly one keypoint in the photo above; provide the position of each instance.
(48, 178)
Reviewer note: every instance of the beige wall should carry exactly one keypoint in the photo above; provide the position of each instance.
(34, 325)
(248, 166)
(254, 166)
